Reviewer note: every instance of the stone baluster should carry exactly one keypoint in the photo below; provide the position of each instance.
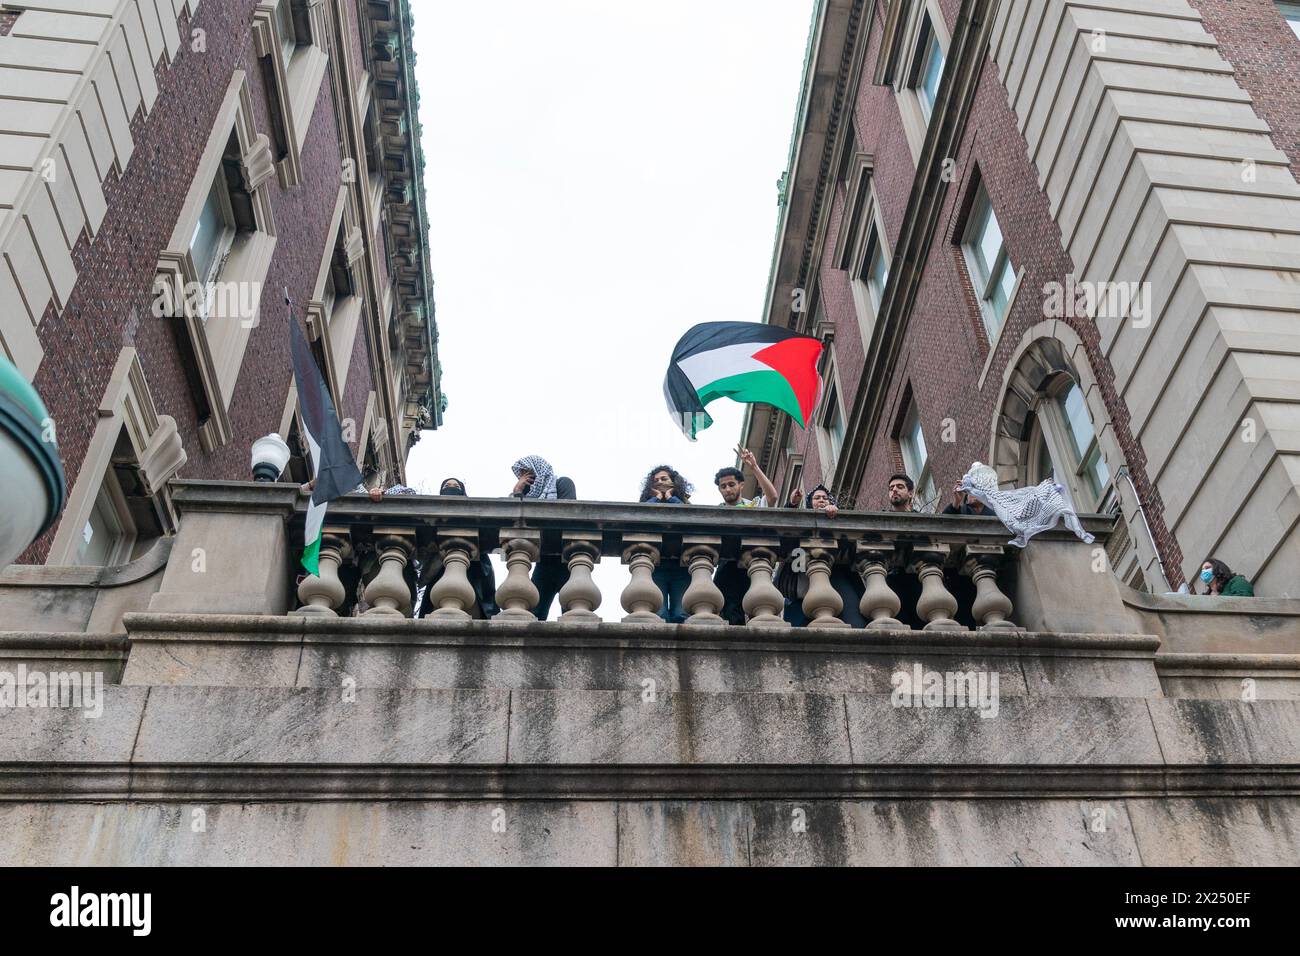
(879, 604)
(642, 598)
(580, 597)
(703, 599)
(763, 603)
(387, 593)
(822, 603)
(453, 595)
(992, 607)
(517, 595)
(936, 604)
(322, 594)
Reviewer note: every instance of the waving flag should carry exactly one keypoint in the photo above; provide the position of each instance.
(333, 469)
(743, 361)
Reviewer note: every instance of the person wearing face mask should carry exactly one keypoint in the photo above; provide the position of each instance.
(664, 486)
(481, 576)
(1220, 580)
(793, 584)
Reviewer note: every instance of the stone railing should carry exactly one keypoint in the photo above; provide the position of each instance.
(380, 543)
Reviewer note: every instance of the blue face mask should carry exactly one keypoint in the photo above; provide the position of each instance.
(1207, 575)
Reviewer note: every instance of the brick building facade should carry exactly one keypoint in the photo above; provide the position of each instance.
(170, 169)
(1057, 237)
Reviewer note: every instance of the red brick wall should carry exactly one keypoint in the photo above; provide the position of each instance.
(110, 305)
(1265, 58)
(945, 346)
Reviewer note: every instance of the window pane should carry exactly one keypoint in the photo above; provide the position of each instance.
(931, 72)
(915, 456)
(288, 38)
(877, 274)
(990, 240)
(835, 426)
(208, 234)
(1000, 296)
(1078, 421)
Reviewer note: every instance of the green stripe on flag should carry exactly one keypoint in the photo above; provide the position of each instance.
(767, 386)
(311, 556)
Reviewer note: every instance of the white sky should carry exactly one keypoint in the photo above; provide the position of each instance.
(601, 176)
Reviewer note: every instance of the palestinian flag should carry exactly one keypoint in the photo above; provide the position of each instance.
(743, 361)
(332, 466)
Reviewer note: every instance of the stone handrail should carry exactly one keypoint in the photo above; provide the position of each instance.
(388, 535)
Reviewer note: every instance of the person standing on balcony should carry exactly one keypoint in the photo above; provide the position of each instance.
(1220, 580)
(664, 486)
(731, 482)
(965, 504)
(535, 479)
(730, 579)
(901, 493)
(355, 577)
(481, 576)
(794, 584)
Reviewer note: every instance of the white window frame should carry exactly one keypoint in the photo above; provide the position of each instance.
(924, 20)
(219, 339)
(986, 281)
(862, 232)
(298, 74)
(921, 472)
(127, 404)
(830, 406)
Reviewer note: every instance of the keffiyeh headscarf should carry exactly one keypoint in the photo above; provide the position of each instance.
(1025, 511)
(543, 485)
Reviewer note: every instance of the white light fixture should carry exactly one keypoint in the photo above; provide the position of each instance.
(270, 455)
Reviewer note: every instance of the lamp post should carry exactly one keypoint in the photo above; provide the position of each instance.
(31, 472)
(270, 455)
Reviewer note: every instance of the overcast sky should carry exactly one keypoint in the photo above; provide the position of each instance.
(601, 176)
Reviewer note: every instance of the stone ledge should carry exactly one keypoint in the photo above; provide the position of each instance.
(248, 650)
(136, 782)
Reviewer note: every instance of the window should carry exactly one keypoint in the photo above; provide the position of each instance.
(213, 233)
(221, 249)
(876, 271)
(862, 249)
(916, 460)
(928, 68)
(833, 422)
(288, 37)
(1063, 446)
(913, 53)
(108, 536)
(991, 271)
(288, 32)
(1291, 13)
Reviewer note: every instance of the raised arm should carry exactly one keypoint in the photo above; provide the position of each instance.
(769, 490)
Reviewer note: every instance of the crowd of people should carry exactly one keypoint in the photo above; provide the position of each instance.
(535, 479)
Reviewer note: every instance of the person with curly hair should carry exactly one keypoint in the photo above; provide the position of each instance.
(663, 485)
(1220, 580)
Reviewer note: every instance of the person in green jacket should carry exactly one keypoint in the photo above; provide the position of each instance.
(1220, 580)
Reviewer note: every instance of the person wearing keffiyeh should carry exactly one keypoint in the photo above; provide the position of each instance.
(536, 478)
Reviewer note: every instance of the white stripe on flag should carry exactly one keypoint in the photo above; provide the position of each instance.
(704, 368)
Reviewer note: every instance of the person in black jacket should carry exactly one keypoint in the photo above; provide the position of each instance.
(664, 486)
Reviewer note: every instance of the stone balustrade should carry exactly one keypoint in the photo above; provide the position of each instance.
(936, 572)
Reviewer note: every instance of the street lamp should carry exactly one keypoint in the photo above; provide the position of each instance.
(270, 455)
(31, 472)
